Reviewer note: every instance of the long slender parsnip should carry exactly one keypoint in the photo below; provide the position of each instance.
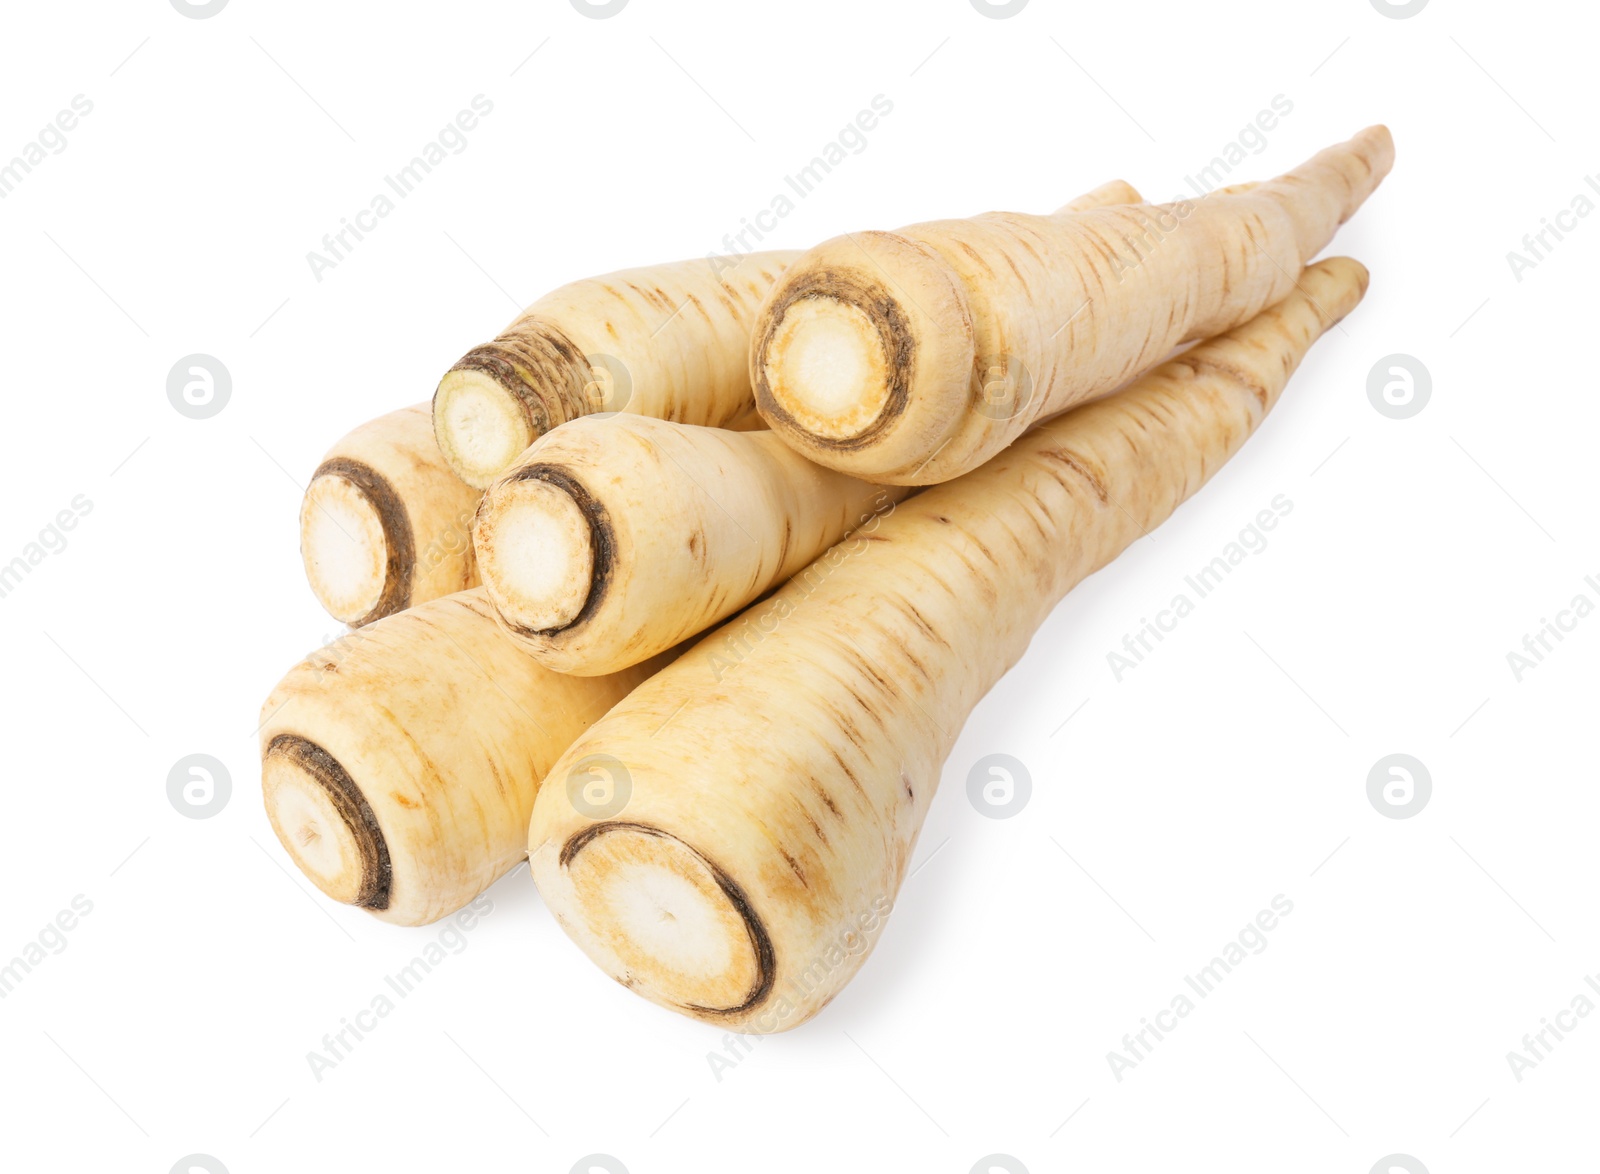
(399, 764)
(612, 539)
(384, 523)
(779, 772)
(668, 341)
(911, 357)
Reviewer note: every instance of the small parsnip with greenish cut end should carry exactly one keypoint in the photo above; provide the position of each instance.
(616, 538)
(399, 764)
(666, 340)
(774, 804)
(384, 523)
(913, 356)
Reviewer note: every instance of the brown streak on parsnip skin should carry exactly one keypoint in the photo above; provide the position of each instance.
(1093, 479)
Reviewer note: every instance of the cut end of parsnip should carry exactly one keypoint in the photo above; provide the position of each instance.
(480, 425)
(536, 550)
(674, 927)
(827, 368)
(343, 541)
(863, 355)
(324, 823)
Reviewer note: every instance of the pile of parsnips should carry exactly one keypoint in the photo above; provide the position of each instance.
(722, 825)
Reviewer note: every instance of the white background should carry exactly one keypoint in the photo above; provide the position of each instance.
(1229, 767)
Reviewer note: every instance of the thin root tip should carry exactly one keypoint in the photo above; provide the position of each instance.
(1380, 137)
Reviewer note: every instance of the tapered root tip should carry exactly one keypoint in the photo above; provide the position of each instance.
(1335, 286)
(480, 424)
(536, 553)
(666, 921)
(324, 823)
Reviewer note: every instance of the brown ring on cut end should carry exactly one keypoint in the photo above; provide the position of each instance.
(834, 359)
(681, 927)
(349, 583)
(566, 504)
(325, 823)
(501, 397)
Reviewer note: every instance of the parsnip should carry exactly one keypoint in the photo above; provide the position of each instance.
(667, 341)
(384, 523)
(781, 769)
(399, 764)
(911, 357)
(612, 539)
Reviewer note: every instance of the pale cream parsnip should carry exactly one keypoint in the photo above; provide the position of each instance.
(779, 772)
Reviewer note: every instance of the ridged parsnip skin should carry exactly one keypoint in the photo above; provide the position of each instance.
(384, 523)
(781, 769)
(684, 526)
(400, 763)
(913, 356)
(669, 341)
